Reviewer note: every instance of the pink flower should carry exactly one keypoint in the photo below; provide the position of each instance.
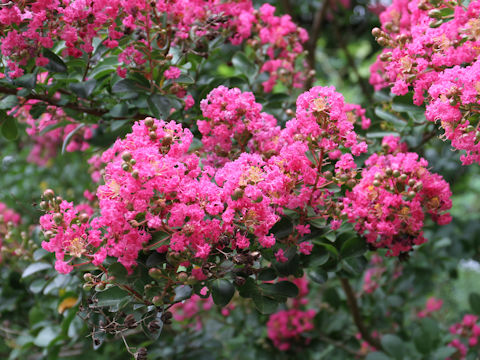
(172, 72)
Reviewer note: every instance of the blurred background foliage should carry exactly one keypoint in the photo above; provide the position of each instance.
(38, 308)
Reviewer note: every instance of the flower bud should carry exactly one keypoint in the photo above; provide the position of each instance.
(157, 300)
(377, 32)
(237, 194)
(155, 273)
(100, 287)
(376, 183)
(388, 171)
(135, 174)
(149, 121)
(396, 173)
(382, 41)
(126, 156)
(48, 194)
(58, 218)
(403, 177)
(87, 277)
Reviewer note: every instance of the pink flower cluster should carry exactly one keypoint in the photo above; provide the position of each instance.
(8, 218)
(389, 204)
(432, 305)
(433, 49)
(286, 327)
(153, 184)
(373, 275)
(31, 26)
(468, 329)
(46, 137)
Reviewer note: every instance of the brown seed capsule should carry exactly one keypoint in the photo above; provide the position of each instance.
(141, 354)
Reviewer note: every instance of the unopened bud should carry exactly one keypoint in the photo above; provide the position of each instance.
(149, 121)
(237, 194)
(377, 32)
(48, 194)
(126, 156)
(396, 173)
(155, 273)
(382, 41)
(58, 218)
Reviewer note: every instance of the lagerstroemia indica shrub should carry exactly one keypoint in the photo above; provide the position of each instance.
(220, 179)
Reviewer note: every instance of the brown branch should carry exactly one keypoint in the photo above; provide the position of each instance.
(351, 61)
(72, 106)
(339, 345)
(313, 39)
(355, 311)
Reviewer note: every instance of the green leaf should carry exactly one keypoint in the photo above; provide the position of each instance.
(267, 274)
(9, 128)
(119, 110)
(353, 247)
(393, 345)
(222, 291)
(377, 355)
(69, 136)
(8, 102)
(282, 288)
(182, 292)
(264, 304)
(125, 85)
(159, 106)
(249, 289)
(55, 64)
(37, 110)
(474, 300)
(389, 117)
(319, 276)
(444, 352)
(111, 297)
(46, 336)
(118, 271)
(35, 267)
(27, 81)
(83, 89)
(244, 65)
(185, 79)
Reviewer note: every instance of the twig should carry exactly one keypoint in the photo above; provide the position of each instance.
(313, 39)
(339, 344)
(357, 319)
(351, 61)
(48, 100)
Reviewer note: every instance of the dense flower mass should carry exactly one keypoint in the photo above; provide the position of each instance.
(80, 23)
(389, 204)
(433, 49)
(153, 184)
